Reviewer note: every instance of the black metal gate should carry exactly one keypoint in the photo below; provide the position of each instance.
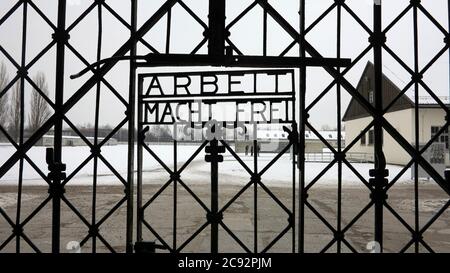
(216, 145)
(216, 27)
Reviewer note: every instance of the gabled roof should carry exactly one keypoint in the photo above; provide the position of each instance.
(391, 91)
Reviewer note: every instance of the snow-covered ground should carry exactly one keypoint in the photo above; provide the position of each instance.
(116, 155)
(280, 174)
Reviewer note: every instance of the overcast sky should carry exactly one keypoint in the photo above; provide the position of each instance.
(247, 35)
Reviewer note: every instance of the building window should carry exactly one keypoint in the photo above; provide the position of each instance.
(371, 137)
(371, 97)
(370, 140)
(443, 138)
(363, 139)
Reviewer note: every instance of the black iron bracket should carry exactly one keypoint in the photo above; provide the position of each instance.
(214, 153)
(56, 174)
(293, 136)
(378, 181)
(57, 170)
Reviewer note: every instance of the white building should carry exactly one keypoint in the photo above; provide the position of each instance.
(401, 115)
(274, 140)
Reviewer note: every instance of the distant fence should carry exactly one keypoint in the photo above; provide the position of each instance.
(329, 156)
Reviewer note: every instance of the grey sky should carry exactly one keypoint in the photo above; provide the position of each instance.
(247, 35)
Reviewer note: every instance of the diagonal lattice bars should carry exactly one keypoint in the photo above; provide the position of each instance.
(340, 82)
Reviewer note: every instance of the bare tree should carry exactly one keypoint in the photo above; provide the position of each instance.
(14, 112)
(3, 99)
(39, 109)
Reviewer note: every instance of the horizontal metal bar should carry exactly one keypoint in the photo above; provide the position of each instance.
(217, 73)
(219, 98)
(154, 60)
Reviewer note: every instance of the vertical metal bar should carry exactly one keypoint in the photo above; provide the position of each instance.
(339, 132)
(131, 130)
(448, 37)
(214, 196)
(255, 189)
(416, 130)
(168, 30)
(96, 126)
(216, 42)
(22, 120)
(294, 181)
(175, 196)
(303, 116)
(380, 163)
(59, 99)
(140, 212)
(264, 33)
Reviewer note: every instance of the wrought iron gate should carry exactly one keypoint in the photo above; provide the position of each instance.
(213, 139)
(223, 49)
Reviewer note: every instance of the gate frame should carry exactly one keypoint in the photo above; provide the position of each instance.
(217, 57)
(214, 214)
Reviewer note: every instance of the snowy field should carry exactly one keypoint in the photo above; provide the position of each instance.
(231, 172)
